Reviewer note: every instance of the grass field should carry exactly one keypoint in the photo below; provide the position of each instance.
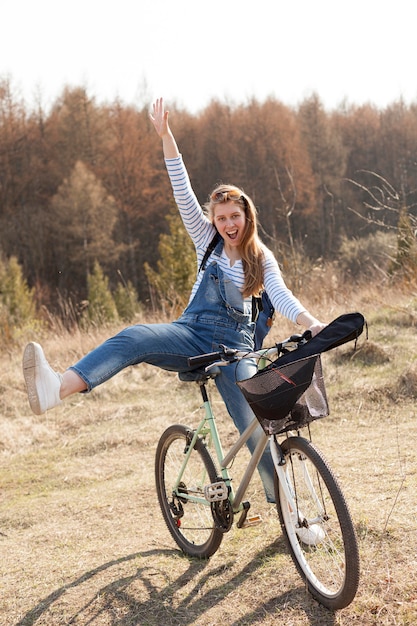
(82, 540)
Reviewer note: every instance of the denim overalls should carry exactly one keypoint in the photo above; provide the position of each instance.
(214, 316)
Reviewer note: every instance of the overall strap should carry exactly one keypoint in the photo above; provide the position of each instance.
(213, 243)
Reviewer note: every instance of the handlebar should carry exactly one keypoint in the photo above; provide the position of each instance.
(226, 355)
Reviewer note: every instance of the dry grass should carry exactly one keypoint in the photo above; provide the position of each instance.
(82, 539)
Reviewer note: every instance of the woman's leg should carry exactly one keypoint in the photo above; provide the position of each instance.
(71, 383)
(243, 415)
(164, 345)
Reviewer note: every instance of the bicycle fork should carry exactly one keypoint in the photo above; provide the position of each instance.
(289, 489)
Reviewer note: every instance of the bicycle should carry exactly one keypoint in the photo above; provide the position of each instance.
(199, 503)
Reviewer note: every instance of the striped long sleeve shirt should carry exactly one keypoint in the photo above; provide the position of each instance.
(201, 231)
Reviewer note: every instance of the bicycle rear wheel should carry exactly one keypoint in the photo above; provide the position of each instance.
(190, 523)
(320, 533)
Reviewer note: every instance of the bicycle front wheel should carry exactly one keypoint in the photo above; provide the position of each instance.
(319, 532)
(189, 521)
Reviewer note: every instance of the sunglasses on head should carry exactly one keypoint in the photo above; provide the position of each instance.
(224, 196)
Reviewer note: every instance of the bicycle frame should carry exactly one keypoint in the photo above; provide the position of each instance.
(207, 427)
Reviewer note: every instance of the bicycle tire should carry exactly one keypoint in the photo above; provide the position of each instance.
(325, 552)
(191, 524)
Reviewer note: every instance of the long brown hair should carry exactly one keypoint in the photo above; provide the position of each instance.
(251, 248)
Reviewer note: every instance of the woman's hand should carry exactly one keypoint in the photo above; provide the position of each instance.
(308, 321)
(159, 118)
(316, 327)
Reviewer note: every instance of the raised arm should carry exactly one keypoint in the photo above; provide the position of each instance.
(159, 118)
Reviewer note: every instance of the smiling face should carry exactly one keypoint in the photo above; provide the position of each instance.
(234, 215)
(230, 220)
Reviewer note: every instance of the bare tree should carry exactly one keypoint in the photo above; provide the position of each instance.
(390, 209)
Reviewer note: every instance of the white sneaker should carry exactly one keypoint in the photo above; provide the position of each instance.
(42, 382)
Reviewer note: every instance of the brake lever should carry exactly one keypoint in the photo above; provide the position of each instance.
(228, 352)
(298, 339)
(216, 364)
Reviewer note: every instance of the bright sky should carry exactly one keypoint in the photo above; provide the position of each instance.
(193, 50)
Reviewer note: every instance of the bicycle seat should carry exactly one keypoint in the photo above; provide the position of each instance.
(198, 374)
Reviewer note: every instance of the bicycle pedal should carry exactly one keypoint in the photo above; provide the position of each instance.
(253, 520)
(216, 492)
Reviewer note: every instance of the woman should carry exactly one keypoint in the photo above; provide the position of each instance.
(218, 311)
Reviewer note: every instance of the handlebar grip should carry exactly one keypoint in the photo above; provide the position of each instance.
(306, 336)
(204, 359)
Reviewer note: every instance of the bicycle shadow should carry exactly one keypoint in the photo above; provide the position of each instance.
(162, 604)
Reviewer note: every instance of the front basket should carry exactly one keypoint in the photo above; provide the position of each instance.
(287, 397)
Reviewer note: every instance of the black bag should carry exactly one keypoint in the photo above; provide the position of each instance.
(346, 327)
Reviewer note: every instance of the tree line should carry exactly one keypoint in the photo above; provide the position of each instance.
(84, 183)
